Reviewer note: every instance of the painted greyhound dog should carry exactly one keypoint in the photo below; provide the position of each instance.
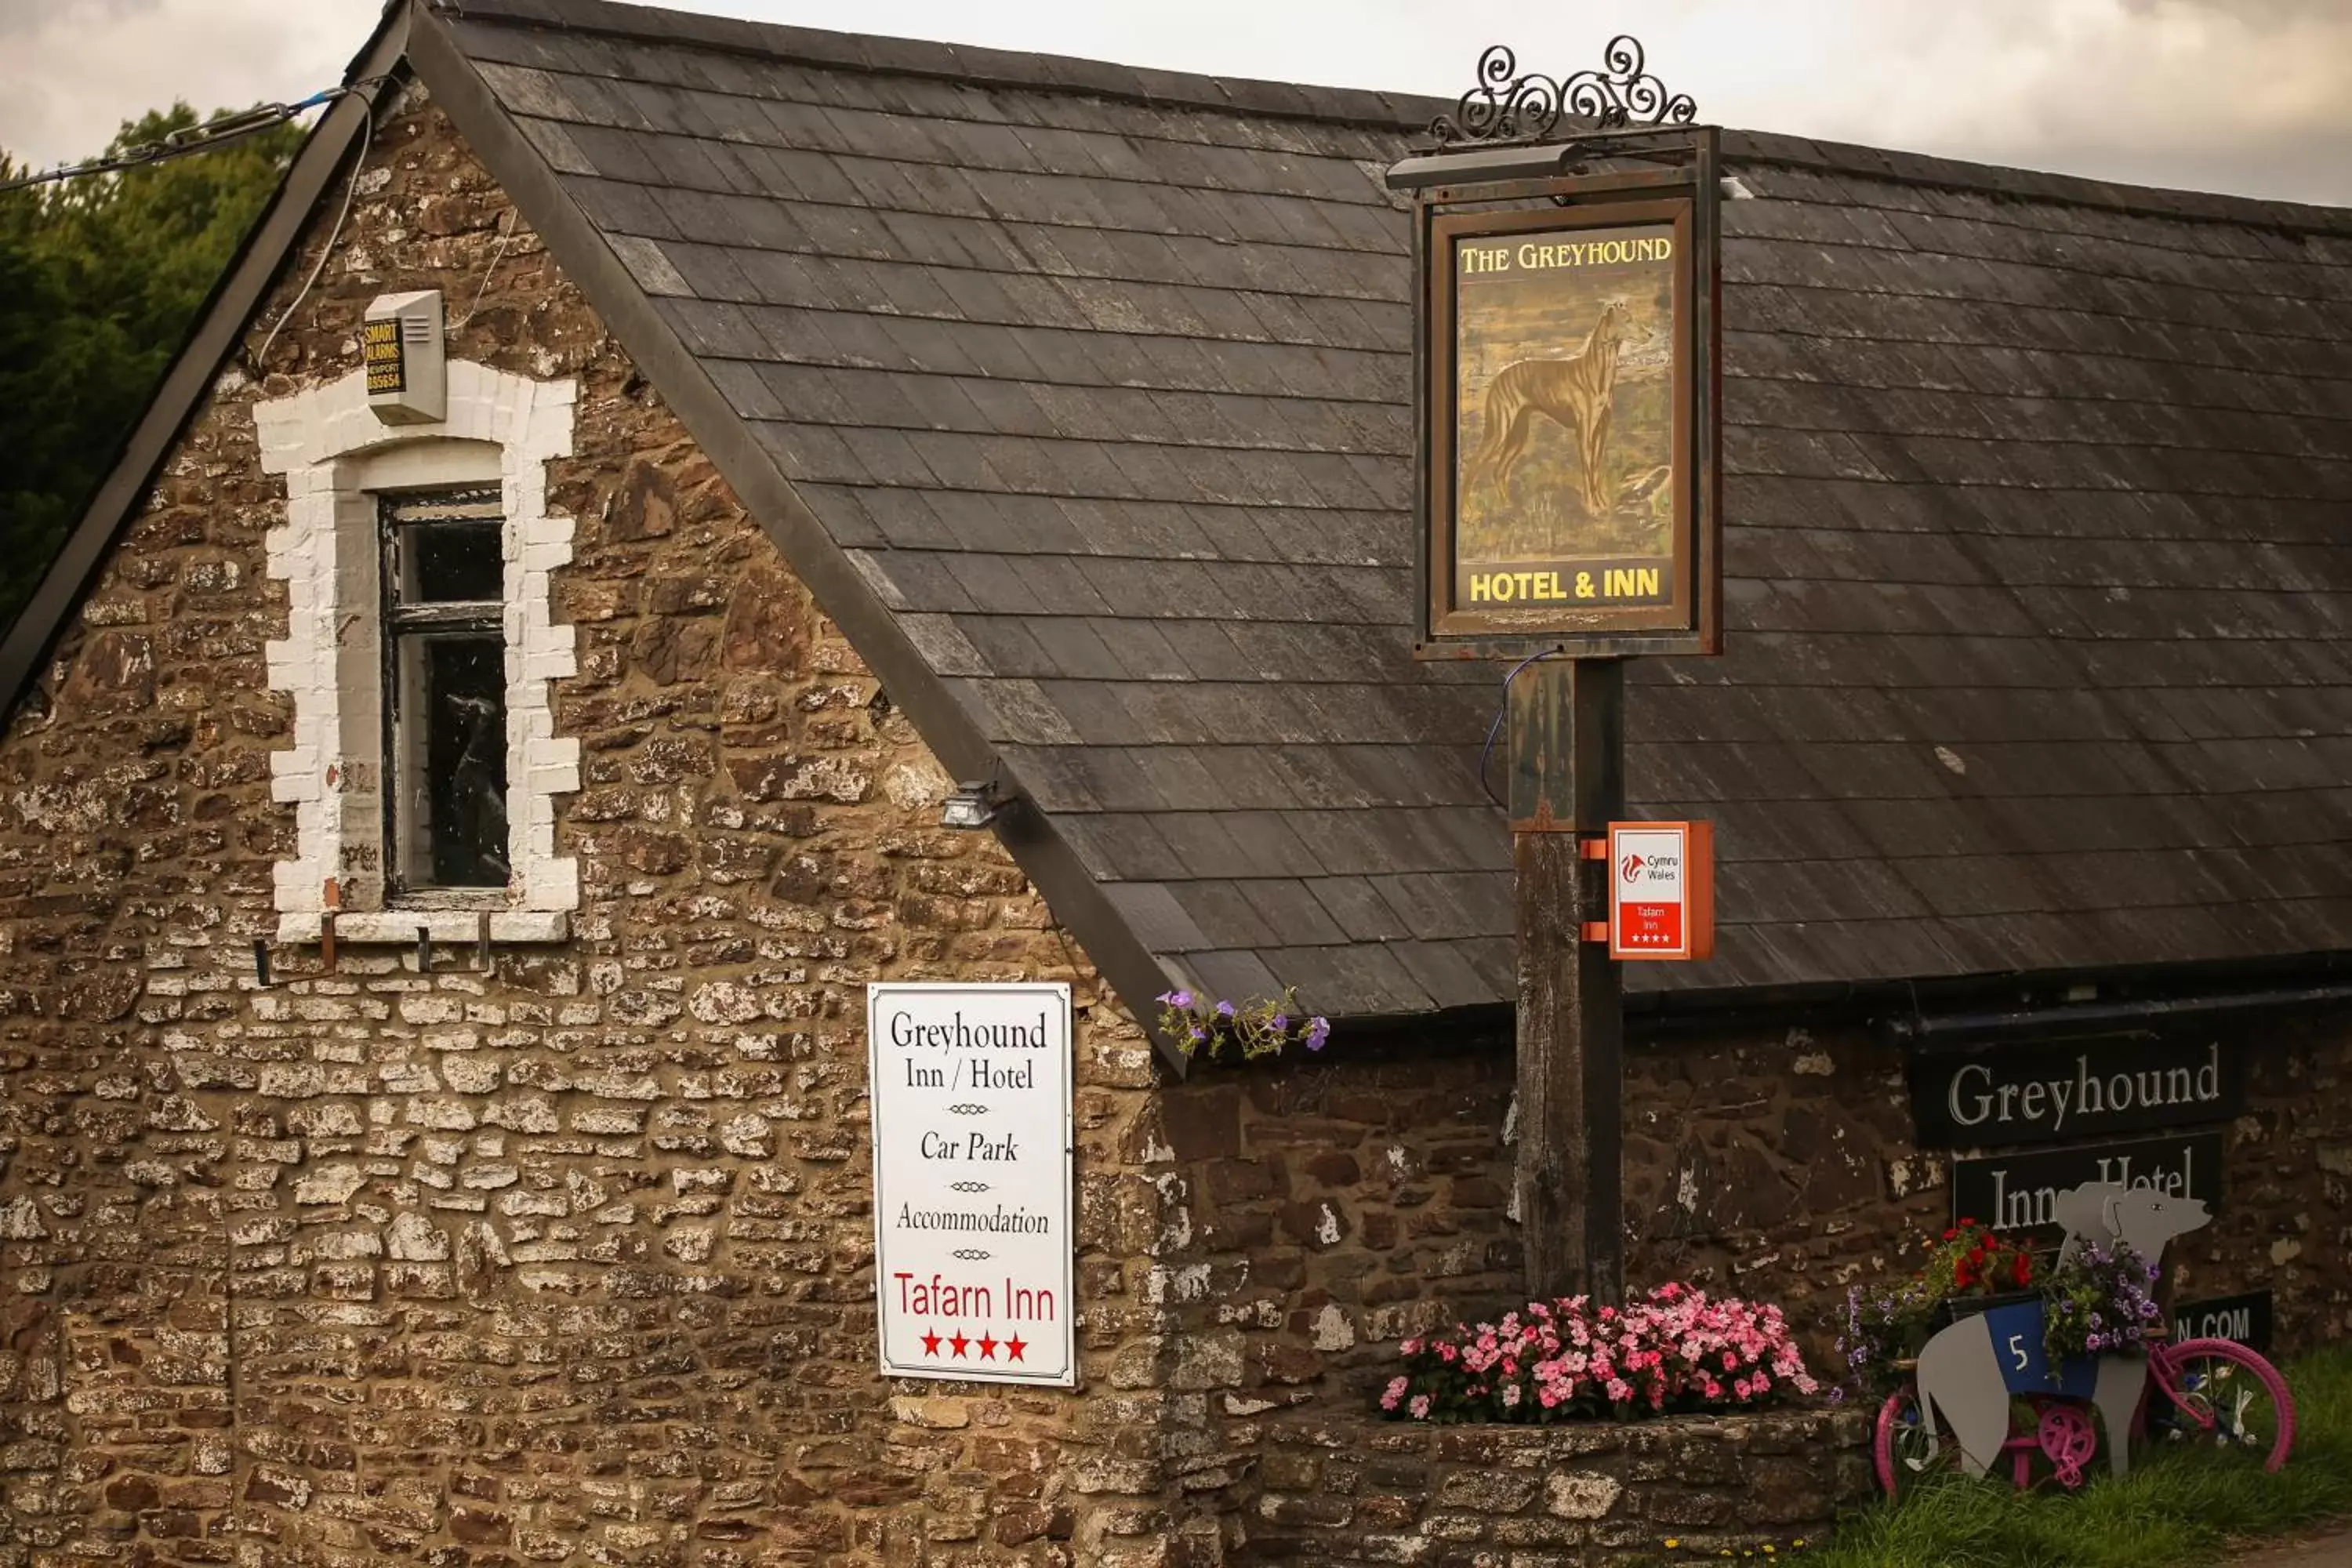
(1960, 1376)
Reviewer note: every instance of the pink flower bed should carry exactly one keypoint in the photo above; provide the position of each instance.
(1676, 1349)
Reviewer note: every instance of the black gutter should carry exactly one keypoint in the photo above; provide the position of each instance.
(1961, 1028)
(1914, 1014)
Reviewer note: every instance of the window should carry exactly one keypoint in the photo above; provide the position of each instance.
(444, 702)
(420, 655)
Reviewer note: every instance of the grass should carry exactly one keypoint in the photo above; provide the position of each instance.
(2177, 1509)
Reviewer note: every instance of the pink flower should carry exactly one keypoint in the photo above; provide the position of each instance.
(1670, 1343)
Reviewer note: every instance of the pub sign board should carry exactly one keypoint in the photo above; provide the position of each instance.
(2045, 1092)
(974, 1261)
(2016, 1192)
(1568, 421)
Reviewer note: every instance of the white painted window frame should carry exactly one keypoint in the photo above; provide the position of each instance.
(336, 456)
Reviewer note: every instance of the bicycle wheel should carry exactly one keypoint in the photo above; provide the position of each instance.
(1903, 1450)
(2225, 1394)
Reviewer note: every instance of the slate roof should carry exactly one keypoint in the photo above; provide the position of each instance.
(1080, 396)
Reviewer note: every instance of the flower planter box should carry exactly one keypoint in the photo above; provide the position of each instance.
(1954, 1308)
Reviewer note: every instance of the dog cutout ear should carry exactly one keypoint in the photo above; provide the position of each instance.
(2109, 1219)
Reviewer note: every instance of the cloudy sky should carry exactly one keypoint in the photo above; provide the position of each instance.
(2250, 96)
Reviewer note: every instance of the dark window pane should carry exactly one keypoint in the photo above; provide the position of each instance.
(451, 739)
(451, 562)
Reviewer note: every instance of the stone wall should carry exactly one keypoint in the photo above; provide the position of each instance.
(566, 1263)
(1325, 1210)
(1335, 1496)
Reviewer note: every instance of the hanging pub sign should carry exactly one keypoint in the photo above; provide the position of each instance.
(973, 1256)
(1568, 397)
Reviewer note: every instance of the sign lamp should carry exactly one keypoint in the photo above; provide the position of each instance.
(971, 806)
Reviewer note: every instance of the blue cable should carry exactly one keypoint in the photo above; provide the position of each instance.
(1486, 752)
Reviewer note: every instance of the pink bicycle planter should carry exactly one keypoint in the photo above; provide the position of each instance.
(2210, 1392)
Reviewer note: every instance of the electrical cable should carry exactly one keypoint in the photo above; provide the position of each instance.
(365, 88)
(1486, 752)
(220, 133)
(180, 143)
(507, 221)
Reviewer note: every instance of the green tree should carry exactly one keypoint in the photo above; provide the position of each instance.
(101, 277)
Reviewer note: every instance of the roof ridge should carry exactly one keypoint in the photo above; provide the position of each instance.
(2008, 180)
(974, 64)
(969, 63)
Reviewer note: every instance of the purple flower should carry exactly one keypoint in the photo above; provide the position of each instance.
(1281, 1024)
(1177, 998)
(1318, 1029)
(1224, 1009)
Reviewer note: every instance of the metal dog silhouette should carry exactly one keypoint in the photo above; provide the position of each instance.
(1962, 1376)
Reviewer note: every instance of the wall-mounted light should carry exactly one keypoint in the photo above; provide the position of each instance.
(973, 806)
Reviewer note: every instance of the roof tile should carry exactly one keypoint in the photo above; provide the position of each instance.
(1101, 378)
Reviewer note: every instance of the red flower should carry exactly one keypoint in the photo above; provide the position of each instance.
(2018, 1274)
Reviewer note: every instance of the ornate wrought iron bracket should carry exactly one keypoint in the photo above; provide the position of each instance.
(1506, 107)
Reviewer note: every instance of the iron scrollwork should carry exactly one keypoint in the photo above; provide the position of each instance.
(1508, 107)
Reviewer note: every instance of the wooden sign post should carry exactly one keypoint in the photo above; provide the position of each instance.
(1568, 489)
(1568, 782)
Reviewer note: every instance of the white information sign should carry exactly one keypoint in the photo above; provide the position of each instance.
(974, 1262)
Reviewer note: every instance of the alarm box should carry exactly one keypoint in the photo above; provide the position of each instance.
(401, 349)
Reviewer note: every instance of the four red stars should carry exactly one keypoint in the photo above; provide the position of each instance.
(988, 1345)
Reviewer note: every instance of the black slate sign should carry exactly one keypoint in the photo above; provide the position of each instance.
(2015, 1192)
(2082, 1088)
(2245, 1318)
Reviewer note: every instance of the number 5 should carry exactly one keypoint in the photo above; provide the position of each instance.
(2017, 1349)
